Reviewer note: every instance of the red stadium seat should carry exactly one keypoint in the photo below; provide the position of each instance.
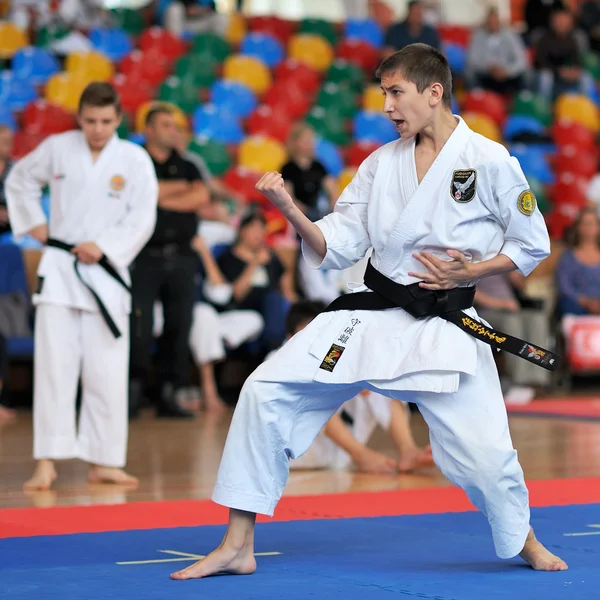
(454, 34)
(148, 66)
(286, 97)
(358, 52)
(487, 103)
(571, 159)
(43, 118)
(243, 181)
(568, 194)
(358, 152)
(269, 122)
(133, 91)
(162, 42)
(566, 132)
(23, 143)
(282, 30)
(299, 74)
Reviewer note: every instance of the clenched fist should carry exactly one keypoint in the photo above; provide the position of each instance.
(272, 186)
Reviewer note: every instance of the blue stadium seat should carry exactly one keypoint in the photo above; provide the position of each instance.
(34, 65)
(373, 127)
(233, 97)
(329, 155)
(456, 55)
(366, 30)
(15, 93)
(113, 43)
(7, 118)
(534, 162)
(519, 124)
(263, 46)
(218, 124)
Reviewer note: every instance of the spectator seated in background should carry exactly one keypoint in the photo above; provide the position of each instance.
(214, 330)
(537, 15)
(496, 58)
(194, 16)
(589, 21)
(342, 443)
(6, 143)
(558, 57)
(259, 280)
(578, 270)
(410, 31)
(500, 301)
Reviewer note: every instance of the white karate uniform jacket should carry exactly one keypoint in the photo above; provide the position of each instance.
(385, 208)
(111, 202)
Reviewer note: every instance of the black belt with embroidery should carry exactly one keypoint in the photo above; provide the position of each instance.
(447, 304)
(105, 264)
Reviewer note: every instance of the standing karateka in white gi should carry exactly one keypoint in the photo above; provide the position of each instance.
(442, 206)
(103, 197)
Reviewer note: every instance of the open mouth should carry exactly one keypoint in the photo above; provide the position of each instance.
(398, 122)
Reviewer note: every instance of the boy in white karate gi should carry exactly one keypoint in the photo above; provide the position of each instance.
(442, 208)
(103, 197)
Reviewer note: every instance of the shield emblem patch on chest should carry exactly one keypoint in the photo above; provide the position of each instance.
(463, 185)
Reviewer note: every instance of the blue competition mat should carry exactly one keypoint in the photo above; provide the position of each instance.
(437, 557)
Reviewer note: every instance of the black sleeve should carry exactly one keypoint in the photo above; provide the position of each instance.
(288, 171)
(320, 168)
(231, 266)
(193, 172)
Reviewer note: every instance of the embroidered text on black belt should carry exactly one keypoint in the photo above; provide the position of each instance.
(447, 304)
(105, 264)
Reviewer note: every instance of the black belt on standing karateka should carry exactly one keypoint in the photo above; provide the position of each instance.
(105, 264)
(447, 304)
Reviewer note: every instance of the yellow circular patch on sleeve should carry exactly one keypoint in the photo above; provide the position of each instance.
(527, 202)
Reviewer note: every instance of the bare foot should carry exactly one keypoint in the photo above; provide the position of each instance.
(539, 558)
(98, 474)
(43, 477)
(225, 559)
(415, 458)
(213, 403)
(370, 461)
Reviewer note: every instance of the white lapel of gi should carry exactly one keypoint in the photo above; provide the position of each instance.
(404, 230)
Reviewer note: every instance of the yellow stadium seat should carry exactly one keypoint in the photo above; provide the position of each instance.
(11, 39)
(142, 111)
(64, 90)
(483, 125)
(345, 177)
(249, 71)
(373, 99)
(311, 50)
(580, 109)
(261, 154)
(91, 66)
(236, 29)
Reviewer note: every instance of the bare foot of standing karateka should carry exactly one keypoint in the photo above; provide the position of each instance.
(225, 559)
(43, 476)
(538, 557)
(235, 555)
(415, 458)
(98, 474)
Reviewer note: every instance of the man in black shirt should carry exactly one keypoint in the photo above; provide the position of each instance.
(165, 269)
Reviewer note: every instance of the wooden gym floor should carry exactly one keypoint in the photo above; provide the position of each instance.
(179, 460)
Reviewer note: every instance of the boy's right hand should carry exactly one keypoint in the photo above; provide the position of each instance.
(271, 184)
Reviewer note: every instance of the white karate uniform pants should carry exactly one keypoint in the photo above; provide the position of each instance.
(281, 410)
(70, 343)
(367, 412)
(213, 332)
